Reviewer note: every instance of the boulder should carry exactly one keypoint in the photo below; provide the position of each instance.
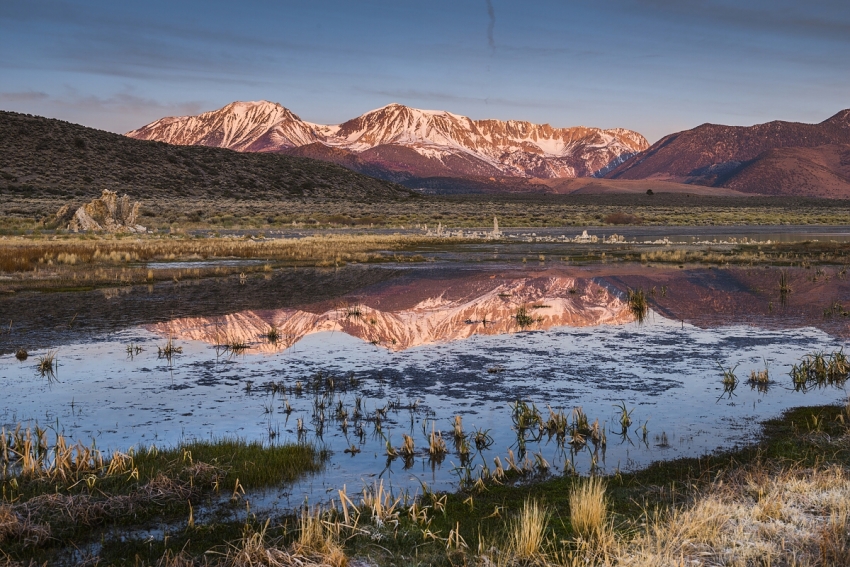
(108, 213)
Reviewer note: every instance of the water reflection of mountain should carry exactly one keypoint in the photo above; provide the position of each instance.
(419, 312)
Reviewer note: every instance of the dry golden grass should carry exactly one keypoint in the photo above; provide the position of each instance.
(589, 508)
(527, 535)
(316, 546)
(80, 261)
(787, 517)
(182, 559)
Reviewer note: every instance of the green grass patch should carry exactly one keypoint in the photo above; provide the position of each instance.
(92, 495)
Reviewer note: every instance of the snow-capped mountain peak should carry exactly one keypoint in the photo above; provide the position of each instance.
(448, 144)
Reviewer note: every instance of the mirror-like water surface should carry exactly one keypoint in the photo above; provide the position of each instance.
(406, 357)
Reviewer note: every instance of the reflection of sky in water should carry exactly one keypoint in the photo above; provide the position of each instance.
(669, 374)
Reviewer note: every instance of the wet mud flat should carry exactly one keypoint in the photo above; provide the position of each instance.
(364, 356)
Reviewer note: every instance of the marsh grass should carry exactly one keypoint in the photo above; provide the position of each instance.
(638, 305)
(407, 449)
(35, 465)
(47, 365)
(525, 417)
(729, 379)
(315, 546)
(235, 345)
(169, 349)
(821, 370)
(272, 335)
(760, 379)
(437, 448)
(75, 492)
(523, 317)
(785, 497)
(625, 417)
(482, 439)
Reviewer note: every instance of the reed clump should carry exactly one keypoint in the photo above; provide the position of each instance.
(169, 349)
(729, 379)
(437, 448)
(821, 370)
(524, 318)
(47, 364)
(407, 449)
(760, 379)
(315, 546)
(638, 305)
(272, 335)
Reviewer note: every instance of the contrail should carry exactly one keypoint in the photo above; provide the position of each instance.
(492, 13)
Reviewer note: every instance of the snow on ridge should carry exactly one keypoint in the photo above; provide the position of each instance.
(514, 147)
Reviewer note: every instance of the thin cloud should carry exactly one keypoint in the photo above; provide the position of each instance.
(23, 96)
(120, 112)
(815, 19)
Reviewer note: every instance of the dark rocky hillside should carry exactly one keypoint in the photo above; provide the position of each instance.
(45, 157)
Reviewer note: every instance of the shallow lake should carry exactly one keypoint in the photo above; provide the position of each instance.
(405, 355)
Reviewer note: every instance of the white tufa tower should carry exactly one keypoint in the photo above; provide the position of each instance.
(496, 232)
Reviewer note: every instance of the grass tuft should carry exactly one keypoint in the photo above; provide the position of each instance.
(638, 305)
(47, 364)
(527, 535)
(589, 508)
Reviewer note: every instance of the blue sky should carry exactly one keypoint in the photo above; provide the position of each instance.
(655, 66)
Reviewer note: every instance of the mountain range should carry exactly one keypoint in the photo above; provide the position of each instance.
(400, 143)
(441, 152)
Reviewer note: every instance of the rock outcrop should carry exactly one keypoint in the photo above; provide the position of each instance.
(108, 213)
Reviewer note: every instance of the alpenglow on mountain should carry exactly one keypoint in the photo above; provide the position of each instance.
(399, 142)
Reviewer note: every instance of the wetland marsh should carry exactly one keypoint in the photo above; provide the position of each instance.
(484, 363)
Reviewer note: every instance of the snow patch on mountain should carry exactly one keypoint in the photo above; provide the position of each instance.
(514, 148)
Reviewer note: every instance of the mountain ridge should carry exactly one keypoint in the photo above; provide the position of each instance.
(450, 144)
(752, 159)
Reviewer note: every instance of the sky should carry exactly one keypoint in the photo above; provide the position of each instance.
(654, 66)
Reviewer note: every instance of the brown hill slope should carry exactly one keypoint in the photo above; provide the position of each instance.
(46, 156)
(823, 171)
(754, 159)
